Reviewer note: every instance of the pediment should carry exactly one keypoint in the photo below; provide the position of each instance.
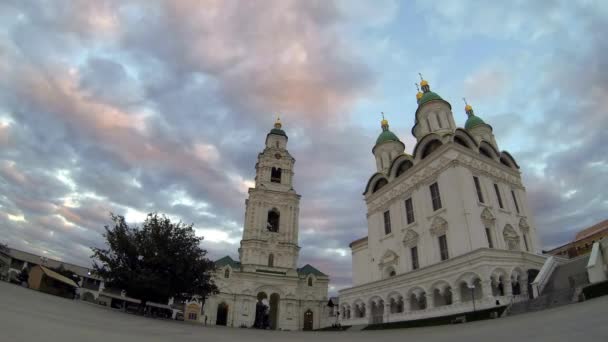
(487, 217)
(411, 238)
(439, 226)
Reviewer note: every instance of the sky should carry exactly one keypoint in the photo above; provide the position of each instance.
(145, 106)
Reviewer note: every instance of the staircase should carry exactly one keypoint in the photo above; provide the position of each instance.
(561, 288)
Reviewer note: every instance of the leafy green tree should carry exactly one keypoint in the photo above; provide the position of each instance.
(156, 261)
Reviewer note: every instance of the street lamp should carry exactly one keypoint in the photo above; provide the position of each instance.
(472, 287)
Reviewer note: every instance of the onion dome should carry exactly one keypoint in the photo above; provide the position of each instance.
(473, 120)
(386, 135)
(277, 128)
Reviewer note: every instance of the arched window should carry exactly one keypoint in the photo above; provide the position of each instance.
(392, 273)
(309, 281)
(460, 141)
(484, 152)
(272, 224)
(404, 166)
(227, 273)
(275, 175)
(271, 260)
(379, 184)
(430, 148)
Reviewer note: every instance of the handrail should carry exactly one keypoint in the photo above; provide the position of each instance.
(543, 276)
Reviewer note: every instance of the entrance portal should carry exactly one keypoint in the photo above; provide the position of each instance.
(274, 311)
(222, 314)
(266, 311)
(308, 320)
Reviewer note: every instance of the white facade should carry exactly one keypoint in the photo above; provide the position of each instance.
(296, 298)
(450, 220)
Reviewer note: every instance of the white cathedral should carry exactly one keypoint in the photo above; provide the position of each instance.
(266, 289)
(449, 228)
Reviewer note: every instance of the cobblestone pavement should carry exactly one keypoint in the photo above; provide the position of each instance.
(27, 315)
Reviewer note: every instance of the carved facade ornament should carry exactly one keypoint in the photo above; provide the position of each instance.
(411, 238)
(439, 226)
(523, 225)
(389, 258)
(487, 218)
(511, 238)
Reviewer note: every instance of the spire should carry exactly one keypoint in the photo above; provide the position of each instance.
(468, 108)
(424, 84)
(384, 122)
(418, 93)
(277, 123)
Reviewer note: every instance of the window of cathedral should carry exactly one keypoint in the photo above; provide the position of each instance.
(439, 120)
(387, 222)
(392, 273)
(430, 148)
(435, 196)
(404, 166)
(272, 224)
(515, 201)
(498, 197)
(525, 237)
(271, 260)
(227, 273)
(414, 254)
(489, 237)
(379, 184)
(443, 247)
(309, 281)
(275, 175)
(409, 211)
(478, 188)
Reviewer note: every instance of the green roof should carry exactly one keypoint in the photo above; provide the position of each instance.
(227, 260)
(278, 131)
(473, 121)
(385, 136)
(428, 96)
(308, 269)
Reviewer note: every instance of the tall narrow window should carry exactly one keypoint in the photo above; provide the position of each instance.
(489, 237)
(515, 201)
(435, 197)
(409, 210)
(272, 223)
(414, 253)
(443, 247)
(526, 242)
(275, 175)
(227, 273)
(271, 260)
(498, 196)
(478, 188)
(439, 121)
(309, 281)
(387, 222)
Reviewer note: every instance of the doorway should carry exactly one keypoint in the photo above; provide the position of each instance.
(308, 320)
(222, 314)
(274, 311)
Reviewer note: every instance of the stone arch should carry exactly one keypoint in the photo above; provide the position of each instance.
(273, 220)
(470, 287)
(376, 309)
(417, 298)
(275, 175)
(396, 302)
(517, 280)
(441, 292)
(511, 238)
(423, 143)
(499, 281)
(507, 159)
(372, 183)
(359, 308)
(400, 165)
(488, 150)
(464, 138)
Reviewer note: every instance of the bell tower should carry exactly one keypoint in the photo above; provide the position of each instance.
(270, 234)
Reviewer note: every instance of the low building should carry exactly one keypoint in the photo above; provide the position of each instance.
(583, 241)
(49, 281)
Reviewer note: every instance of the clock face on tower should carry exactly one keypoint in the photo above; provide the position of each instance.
(278, 156)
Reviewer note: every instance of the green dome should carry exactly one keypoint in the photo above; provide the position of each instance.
(278, 131)
(385, 136)
(473, 121)
(428, 96)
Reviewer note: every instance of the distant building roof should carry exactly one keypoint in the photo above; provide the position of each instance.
(308, 269)
(227, 260)
(51, 263)
(363, 239)
(57, 276)
(597, 228)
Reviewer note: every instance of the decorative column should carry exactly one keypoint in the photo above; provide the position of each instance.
(523, 286)
(429, 300)
(456, 296)
(387, 312)
(508, 288)
(486, 288)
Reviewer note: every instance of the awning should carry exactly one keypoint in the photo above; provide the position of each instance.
(58, 277)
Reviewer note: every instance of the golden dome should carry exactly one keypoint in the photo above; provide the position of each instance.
(424, 83)
(467, 108)
(419, 95)
(384, 122)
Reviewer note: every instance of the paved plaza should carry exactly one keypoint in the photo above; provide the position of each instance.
(27, 315)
